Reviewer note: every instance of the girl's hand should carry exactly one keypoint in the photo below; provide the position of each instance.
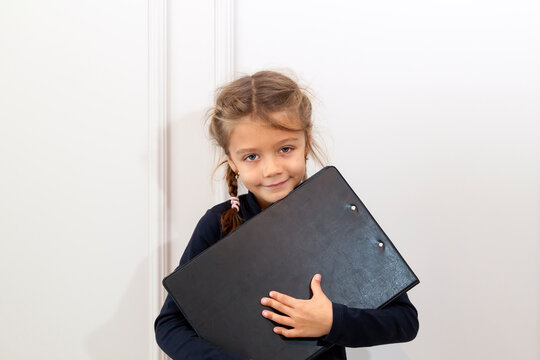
(308, 318)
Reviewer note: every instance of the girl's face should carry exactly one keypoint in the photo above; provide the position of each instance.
(271, 161)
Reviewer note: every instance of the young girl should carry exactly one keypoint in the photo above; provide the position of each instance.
(263, 124)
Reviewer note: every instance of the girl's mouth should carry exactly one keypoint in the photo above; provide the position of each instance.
(276, 185)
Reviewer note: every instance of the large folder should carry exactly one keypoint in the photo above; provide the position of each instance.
(320, 227)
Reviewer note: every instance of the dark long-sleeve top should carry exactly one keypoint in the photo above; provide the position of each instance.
(351, 327)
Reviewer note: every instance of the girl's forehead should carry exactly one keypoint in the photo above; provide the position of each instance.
(257, 134)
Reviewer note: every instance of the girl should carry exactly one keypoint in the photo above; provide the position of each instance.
(263, 124)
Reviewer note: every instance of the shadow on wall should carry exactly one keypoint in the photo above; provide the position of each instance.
(383, 352)
(125, 335)
(358, 354)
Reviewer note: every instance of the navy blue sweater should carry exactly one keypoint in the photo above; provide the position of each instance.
(397, 322)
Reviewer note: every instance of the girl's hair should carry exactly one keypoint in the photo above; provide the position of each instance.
(259, 96)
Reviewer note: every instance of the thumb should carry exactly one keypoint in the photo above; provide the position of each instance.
(316, 285)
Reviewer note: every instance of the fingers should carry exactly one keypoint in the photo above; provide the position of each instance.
(316, 285)
(276, 305)
(286, 332)
(283, 320)
(284, 299)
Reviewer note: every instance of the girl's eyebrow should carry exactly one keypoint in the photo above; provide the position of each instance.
(242, 151)
(287, 140)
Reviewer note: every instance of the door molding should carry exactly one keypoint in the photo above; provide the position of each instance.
(157, 163)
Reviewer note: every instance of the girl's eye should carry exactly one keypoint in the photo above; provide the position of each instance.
(286, 149)
(251, 157)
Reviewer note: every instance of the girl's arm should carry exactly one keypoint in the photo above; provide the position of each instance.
(352, 327)
(174, 334)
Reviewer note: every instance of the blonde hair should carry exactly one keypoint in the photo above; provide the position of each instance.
(259, 96)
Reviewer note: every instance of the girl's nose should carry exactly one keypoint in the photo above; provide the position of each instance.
(271, 167)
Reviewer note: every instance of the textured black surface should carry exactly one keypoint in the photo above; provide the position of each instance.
(315, 229)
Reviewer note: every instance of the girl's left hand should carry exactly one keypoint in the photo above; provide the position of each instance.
(308, 318)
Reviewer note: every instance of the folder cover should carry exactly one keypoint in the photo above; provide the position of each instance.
(320, 227)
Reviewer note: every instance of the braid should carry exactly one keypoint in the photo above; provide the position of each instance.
(230, 219)
(232, 182)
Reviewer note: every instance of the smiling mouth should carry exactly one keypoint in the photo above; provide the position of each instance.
(273, 186)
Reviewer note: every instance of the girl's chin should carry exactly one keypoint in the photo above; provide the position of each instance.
(266, 201)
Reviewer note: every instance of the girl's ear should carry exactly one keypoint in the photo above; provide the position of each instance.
(232, 165)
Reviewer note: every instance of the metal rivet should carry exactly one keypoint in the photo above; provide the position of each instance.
(381, 244)
(353, 207)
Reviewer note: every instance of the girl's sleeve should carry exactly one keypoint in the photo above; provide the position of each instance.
(174, 334)
(352, 327)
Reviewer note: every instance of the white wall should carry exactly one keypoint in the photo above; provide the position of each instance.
(430, 111)
(74, 228)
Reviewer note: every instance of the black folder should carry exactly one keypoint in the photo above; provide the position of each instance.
(320, 227)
